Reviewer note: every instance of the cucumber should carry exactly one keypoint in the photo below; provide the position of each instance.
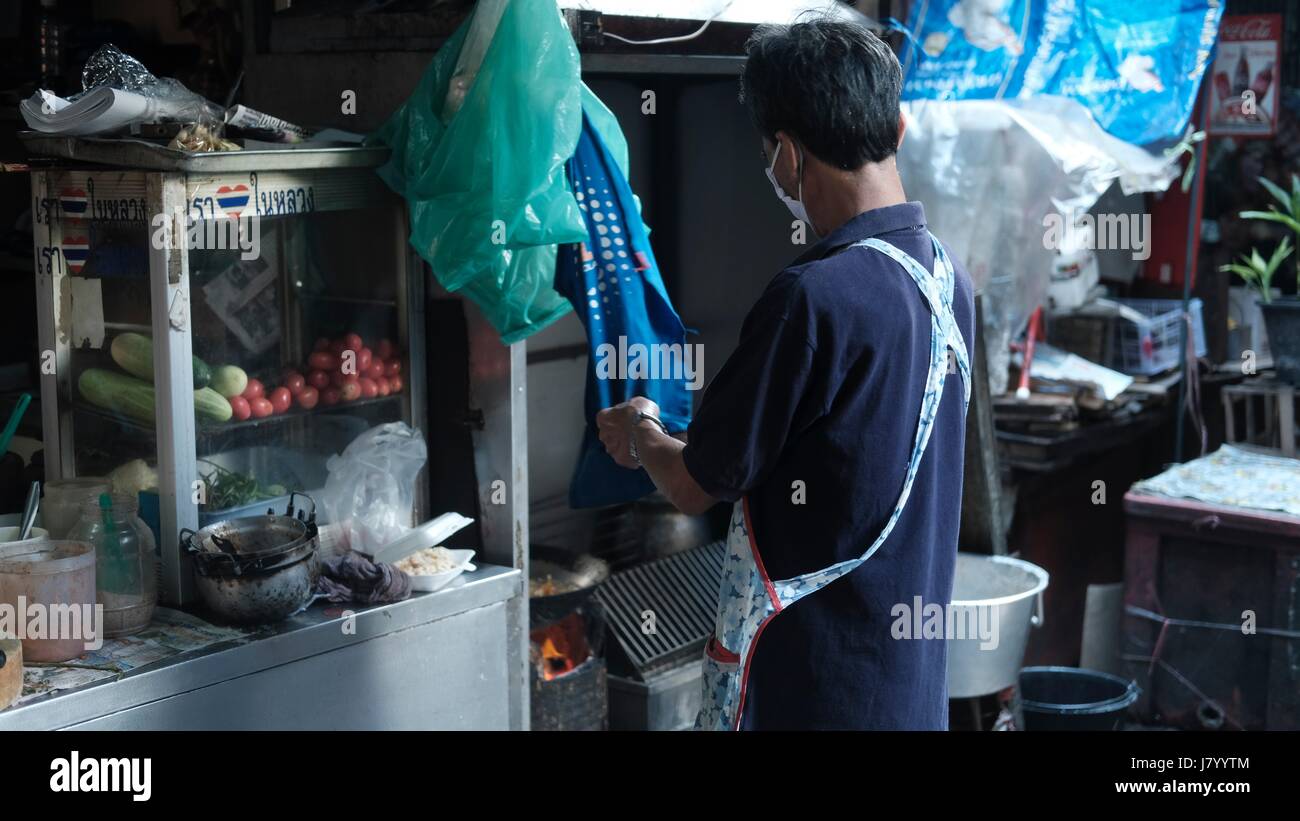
(116, 392)
(134, 354)
(208, 404)
(133, 397)
(229, 380)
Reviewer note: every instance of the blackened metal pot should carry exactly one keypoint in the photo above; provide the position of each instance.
(257, 569)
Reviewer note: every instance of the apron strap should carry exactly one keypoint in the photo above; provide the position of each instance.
(946, 346)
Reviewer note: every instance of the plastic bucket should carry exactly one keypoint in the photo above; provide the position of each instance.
(58, 578)
(1071, 698)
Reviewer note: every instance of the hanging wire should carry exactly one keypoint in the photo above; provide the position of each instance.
(678, 39)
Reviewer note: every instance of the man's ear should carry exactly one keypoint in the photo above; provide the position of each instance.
(787, 164)
(902, 129)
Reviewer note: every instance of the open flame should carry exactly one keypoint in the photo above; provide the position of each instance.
(561, 647)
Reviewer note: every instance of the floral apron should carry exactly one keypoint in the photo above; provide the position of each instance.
(748, 597)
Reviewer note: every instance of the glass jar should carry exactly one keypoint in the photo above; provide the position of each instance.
(61, 507)
(126, 567)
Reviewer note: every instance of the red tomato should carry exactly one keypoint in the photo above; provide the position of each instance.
(322, 361)
(392, 367)
(353, 342)
(261, 406)
(330, 396)
(338, 379)
(239, 405)
(281, 399)
(318, 379)
(336, 347)
(255, 390)
(375, 371)
(382, 385)
(308, 397)
(364, 358)
(369, 390)
(350, 390)
(294, 381)
(322, 344)
(385, 349)
(395, 384)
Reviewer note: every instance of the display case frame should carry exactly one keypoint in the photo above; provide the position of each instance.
(70, 196)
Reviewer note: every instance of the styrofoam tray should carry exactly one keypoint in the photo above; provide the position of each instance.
(437, 581)
(429, 534)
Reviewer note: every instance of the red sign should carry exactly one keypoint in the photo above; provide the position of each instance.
(1244, 99)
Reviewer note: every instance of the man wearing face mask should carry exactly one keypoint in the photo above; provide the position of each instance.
(836, 428)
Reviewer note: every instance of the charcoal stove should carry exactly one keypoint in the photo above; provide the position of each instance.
(659, 615)
(567, 673)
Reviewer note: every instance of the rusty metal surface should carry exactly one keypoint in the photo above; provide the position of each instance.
(1203, 568)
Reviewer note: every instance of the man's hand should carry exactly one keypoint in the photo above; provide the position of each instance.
(615, 427)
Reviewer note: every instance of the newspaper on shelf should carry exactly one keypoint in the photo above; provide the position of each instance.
(1232, 477)
(169, 634)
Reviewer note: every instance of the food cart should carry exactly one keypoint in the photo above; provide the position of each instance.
(253, 261)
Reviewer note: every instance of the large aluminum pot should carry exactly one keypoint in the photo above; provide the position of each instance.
(258, 569)
(996, 599)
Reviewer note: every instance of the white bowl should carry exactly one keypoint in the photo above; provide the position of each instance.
(10, 534)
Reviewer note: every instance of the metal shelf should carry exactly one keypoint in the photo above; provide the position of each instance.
(209, 429)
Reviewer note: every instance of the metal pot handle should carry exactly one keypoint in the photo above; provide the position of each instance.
(289, 511)
(186, 538)
(1036, 620)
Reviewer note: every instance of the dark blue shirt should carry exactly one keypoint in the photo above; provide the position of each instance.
(813, 417)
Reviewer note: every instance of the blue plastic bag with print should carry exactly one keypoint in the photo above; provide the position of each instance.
(637, 340)
(1135, 65)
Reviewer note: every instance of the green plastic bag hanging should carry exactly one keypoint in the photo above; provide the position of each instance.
(486, 189)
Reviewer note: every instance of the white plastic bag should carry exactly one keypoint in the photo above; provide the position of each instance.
(371, 485)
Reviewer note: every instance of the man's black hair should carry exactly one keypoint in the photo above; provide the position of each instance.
(831, 84)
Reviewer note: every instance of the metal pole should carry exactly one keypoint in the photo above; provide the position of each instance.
(1189, 270)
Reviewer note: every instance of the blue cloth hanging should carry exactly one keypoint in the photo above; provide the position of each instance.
(614, 285)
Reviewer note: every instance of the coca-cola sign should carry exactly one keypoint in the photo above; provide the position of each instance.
(1244, 80)
(1250, 27)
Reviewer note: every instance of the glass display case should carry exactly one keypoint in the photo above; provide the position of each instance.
(170, 287)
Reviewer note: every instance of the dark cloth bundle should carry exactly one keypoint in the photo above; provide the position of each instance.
(356, 577)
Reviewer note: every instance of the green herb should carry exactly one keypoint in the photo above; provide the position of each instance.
(227, 488)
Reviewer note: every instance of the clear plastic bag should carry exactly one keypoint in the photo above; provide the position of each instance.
(111, 67)
(990, 172)
(370, 491)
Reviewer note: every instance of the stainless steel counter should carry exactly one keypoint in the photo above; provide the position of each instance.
(435, 661)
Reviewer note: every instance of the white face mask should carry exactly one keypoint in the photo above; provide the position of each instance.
(794, 204)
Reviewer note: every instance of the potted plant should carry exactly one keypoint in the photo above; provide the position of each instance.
(1282, 315)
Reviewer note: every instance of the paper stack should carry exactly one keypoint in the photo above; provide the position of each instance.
(98, 111)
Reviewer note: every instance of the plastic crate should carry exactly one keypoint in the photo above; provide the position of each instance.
(1150, 346)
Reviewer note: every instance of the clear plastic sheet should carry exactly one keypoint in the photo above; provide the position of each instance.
(989, 173)
(111, 67)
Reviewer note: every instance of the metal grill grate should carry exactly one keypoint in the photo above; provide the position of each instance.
(681, 591)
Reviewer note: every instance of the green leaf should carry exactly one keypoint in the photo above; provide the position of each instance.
(1272, 216)
(1278, 194)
